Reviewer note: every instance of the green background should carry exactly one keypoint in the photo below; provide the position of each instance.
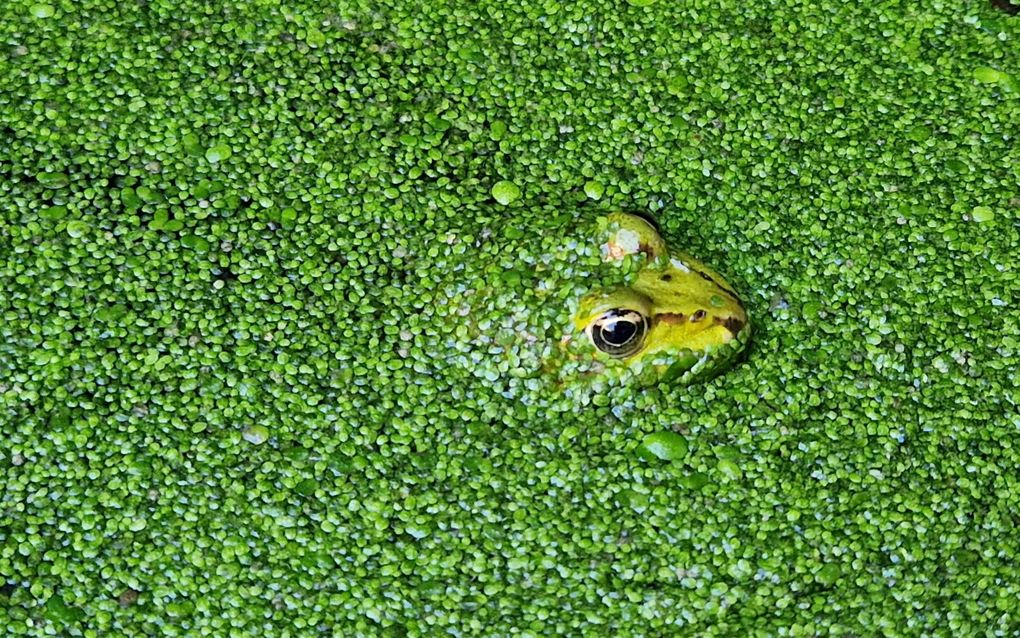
(202, 207)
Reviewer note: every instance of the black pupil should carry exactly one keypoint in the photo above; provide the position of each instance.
(619, 332)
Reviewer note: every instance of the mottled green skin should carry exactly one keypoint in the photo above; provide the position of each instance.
(511, 300)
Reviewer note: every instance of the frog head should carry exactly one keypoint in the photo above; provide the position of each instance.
(564, 307)
(668, 318)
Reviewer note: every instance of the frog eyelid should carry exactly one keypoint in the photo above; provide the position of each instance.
(648, 219)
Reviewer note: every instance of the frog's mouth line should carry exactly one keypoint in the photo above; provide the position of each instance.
(690, 365)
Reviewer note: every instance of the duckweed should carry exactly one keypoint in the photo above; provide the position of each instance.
(505, 192)
(42, 10)
(256, 434)
(77, 229)
(594, 189)
(982, 214)
(218, 153)
(244, 390)
(668, 446)
(987, 74)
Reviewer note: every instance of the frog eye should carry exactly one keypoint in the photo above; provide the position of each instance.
(619, 332)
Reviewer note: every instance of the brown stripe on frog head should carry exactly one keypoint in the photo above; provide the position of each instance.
(673, 318)
(732, 324)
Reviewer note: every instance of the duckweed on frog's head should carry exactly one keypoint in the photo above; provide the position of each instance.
(601, 302)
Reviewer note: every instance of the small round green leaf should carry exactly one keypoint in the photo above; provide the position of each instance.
(635, 500)
(196, 243)
(695, 481)
(306, 487)
(218, 153)
(594, 190)
(60, 613)
(257, 434)
(137, 524)
(667, 446)
(53, 213)
(677, 85)
(315, 38)
(497, 130)
(53, 180)
(41, 11)
(828, 574)
(506, 192)
(920, 133)
(982, 214)
(987, 75)
(77, 229)
(730, 469)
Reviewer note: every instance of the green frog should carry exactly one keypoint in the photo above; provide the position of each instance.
(583, 305)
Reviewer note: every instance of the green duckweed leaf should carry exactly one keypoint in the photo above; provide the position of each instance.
(666, 446)
(257, 434)
(594, 190)
(77, 229)
(53, 213)
(218, 153)
(505, 192)
(982, 214)
(42, 11)
(53, 180)
(987, 75)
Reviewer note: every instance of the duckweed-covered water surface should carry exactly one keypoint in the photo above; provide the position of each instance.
(282, 290)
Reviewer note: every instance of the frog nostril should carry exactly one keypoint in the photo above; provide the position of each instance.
(666, 278)
(698, 316)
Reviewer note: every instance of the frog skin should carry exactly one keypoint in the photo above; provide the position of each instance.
(579, 305)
